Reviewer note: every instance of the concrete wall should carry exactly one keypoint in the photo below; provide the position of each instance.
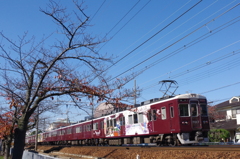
(34, 155)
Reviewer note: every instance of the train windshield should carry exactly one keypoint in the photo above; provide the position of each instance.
(203, 109)
(183, 109)
(193, 109)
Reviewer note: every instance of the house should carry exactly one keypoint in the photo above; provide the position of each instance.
(227, 116)
(58, 124)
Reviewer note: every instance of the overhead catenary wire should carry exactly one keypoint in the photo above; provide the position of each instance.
(229, 85)
(121, 20)
(169, 5)
(169, 55)
(173, 43)
(194, 61)
(173, 30)
(98, 10)
(205, 64)
(219, 69)
(155, 34)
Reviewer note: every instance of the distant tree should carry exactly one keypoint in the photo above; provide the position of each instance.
(218, 135)
(6, 131)
(8, 124)
(215, 115)
(36, 71)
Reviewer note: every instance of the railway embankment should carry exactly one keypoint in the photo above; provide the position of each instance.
(78, 152)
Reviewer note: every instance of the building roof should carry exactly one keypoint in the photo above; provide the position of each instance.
(229, 104)
(227, 124)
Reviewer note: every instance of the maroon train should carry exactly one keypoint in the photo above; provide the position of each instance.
(176, 120)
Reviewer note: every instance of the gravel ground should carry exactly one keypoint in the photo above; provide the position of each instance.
(144, 153)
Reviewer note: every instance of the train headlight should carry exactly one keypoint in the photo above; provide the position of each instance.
(184, 122)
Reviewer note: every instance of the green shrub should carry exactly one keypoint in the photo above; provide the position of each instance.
(218, 135)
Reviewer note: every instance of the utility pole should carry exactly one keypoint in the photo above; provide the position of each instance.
(135, 93)
(44, 125)
(92, 120)
(36, 135)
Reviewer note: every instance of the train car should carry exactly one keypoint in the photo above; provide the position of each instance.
(174, 120)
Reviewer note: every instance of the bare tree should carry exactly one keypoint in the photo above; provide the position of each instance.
(34, 71)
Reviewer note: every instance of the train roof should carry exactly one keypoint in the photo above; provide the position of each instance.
(167, 98)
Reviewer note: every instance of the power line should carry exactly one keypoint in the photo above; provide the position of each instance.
(153, 36)
(98, 9)
(196, 60)
(211, 72)
(175, 29)
(156, 25)
(180, 40)
(199, 66)
(123, 17)
(221, 87)
(126, 22)
(176, 41)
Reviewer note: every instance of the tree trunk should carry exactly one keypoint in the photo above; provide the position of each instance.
(7, 149)
(19, 140)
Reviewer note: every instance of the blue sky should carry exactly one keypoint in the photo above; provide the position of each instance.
(200, 49)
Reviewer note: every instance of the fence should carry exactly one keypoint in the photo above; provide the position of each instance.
(27, 154)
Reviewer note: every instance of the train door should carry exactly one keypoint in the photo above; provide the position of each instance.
(122, 126)
(96, 129)
(102, 134)
(165, 122)
(158, 120)
(84, 131)
(195, 116)
(152, 120)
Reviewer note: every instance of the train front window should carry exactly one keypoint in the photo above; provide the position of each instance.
(203, 109)
(193, 109)
(183, 109)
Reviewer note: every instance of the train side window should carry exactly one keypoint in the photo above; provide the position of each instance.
(77, 130)
(154, 115)
(110, 123)
(130, 120)
(107, 123)
(135, 117)
(203, 109)
(114, 122)
(95, 126)
(122, 120)
(149, 115)
(194, 109)
(183, 108)
(171, 112)
(69, 131)
(101, 125)
(140, 117)
(163, 113)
